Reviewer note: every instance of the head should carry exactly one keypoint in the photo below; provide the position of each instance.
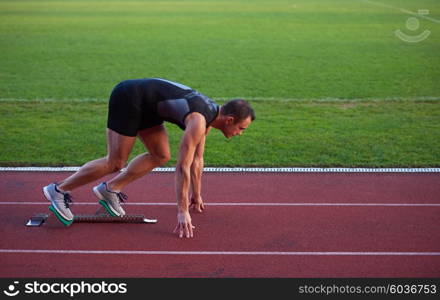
(236, 115)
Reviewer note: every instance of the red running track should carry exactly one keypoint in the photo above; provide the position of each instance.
(295, 225)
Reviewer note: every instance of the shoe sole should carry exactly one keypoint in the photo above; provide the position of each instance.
(104, 203)
(60, 217)
(52, 208)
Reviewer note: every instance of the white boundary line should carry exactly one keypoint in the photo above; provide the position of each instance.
(246, 170)
(278, 253)
(222, 98)
(402, 10)
(244, 204)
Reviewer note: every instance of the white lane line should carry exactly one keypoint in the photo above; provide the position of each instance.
(242, 204)
(246, 170)
(402, 10)
(265, 99)
(147, 252)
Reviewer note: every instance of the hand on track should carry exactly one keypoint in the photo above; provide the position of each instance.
(184, 226)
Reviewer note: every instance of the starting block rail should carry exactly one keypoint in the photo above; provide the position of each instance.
(109, 219)
(101, 216)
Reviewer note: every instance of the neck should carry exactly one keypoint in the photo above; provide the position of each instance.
(217, 123)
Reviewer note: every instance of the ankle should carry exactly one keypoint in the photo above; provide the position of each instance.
(59, 189)
(112, 189)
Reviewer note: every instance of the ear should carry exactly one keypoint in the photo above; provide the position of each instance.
(230, 120)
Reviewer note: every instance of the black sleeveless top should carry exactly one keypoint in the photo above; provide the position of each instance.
(171, 101)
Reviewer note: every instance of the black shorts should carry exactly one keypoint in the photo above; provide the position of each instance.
(128, 112)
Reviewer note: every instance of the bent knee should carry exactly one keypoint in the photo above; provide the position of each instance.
(161, 159)
(115, 165)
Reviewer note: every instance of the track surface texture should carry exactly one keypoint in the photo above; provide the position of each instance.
(288, 225)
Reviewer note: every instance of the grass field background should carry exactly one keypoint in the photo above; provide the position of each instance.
(331, 83)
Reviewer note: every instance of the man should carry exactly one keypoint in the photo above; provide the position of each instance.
(138, 108)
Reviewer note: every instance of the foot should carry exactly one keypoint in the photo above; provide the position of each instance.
(110, 200)
(60, 203)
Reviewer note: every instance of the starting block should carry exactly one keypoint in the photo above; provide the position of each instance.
(101, 216)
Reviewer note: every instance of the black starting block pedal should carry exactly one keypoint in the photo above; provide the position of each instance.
(101, 216)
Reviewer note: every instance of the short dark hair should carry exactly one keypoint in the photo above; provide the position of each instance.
(238, 108)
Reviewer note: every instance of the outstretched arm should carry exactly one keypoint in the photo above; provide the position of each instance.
(196, 200)
(194, 132)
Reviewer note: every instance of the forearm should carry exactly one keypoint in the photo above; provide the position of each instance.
(196, 176)
(183, 179)
(194, 133)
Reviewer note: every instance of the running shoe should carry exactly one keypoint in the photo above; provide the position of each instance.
(60, 203)
(110, 200)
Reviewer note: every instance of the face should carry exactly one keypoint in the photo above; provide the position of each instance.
(231, 128)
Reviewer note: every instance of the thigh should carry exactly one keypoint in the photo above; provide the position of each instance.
(119, 146)
(155, 139)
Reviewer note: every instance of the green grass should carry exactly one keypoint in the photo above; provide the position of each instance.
(253, 48)
(302, 133)
(266, 49)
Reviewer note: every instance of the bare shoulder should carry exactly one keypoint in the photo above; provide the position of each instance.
(195, 120)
